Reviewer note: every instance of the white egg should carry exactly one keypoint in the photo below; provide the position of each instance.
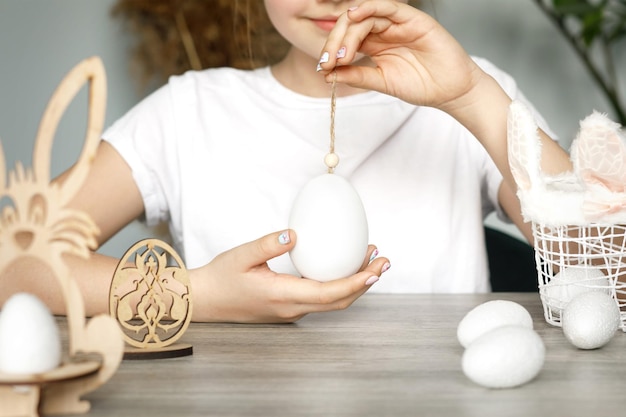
(504, 357)
(490, 315)
(331, 229)
(570, 282)
(29, 336)
(590, 320)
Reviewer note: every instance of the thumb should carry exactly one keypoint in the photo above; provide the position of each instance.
(260, 251)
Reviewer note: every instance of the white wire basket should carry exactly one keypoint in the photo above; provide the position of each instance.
(575, 259)
(578, 217)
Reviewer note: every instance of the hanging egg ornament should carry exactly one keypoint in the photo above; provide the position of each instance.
(330, 222)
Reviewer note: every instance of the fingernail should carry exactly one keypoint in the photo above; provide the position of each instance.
(284, 238)
(323, 59)
(374, 255)
(371, 280)
(385, 268)
(341, 52)
(353, 8)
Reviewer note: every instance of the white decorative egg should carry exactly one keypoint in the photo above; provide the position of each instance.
(590, 320)
(572, 281)
(29, 336)
(504, 357)
(331, 229)
(490, 315)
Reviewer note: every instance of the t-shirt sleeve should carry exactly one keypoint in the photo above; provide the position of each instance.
(140, 138)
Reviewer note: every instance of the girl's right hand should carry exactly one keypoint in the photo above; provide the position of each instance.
(238, 286)
(415, 58)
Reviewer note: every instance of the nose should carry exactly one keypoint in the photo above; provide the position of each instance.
(24, 238)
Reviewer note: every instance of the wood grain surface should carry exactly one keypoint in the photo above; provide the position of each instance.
(386, 355)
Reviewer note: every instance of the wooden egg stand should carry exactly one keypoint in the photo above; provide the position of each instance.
(53, 232)
(150, 296)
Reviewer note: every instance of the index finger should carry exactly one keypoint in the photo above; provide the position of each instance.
(354, 26)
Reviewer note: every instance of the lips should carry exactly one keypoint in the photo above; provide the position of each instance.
(325, 24)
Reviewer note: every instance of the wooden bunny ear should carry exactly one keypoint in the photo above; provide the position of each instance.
(599, 153)
(524, 146)
(89, 70)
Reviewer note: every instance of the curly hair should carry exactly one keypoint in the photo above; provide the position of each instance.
(173, 36)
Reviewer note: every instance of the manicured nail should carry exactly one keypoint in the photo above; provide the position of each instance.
(374, 255)
(341, 52)
(353, 8)
(284, 238)
(371, 280)
(323, 60)
(385, 268)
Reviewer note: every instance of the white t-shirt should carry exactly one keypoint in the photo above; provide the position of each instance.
(221, 154)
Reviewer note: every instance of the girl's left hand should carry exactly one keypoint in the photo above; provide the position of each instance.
(238, 285)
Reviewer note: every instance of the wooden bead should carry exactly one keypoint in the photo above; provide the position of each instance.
(331, 160)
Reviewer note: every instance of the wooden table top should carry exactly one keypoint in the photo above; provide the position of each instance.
(386, 355)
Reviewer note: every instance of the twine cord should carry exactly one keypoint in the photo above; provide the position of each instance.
(333, 100)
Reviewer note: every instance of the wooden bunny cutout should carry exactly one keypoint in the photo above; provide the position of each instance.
(36, 224)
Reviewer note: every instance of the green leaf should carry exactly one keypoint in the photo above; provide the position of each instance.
(592, 26)
(574, 8)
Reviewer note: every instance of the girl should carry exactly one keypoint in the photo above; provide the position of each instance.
(220, 155)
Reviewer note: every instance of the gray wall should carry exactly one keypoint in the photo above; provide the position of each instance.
(41, 40)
